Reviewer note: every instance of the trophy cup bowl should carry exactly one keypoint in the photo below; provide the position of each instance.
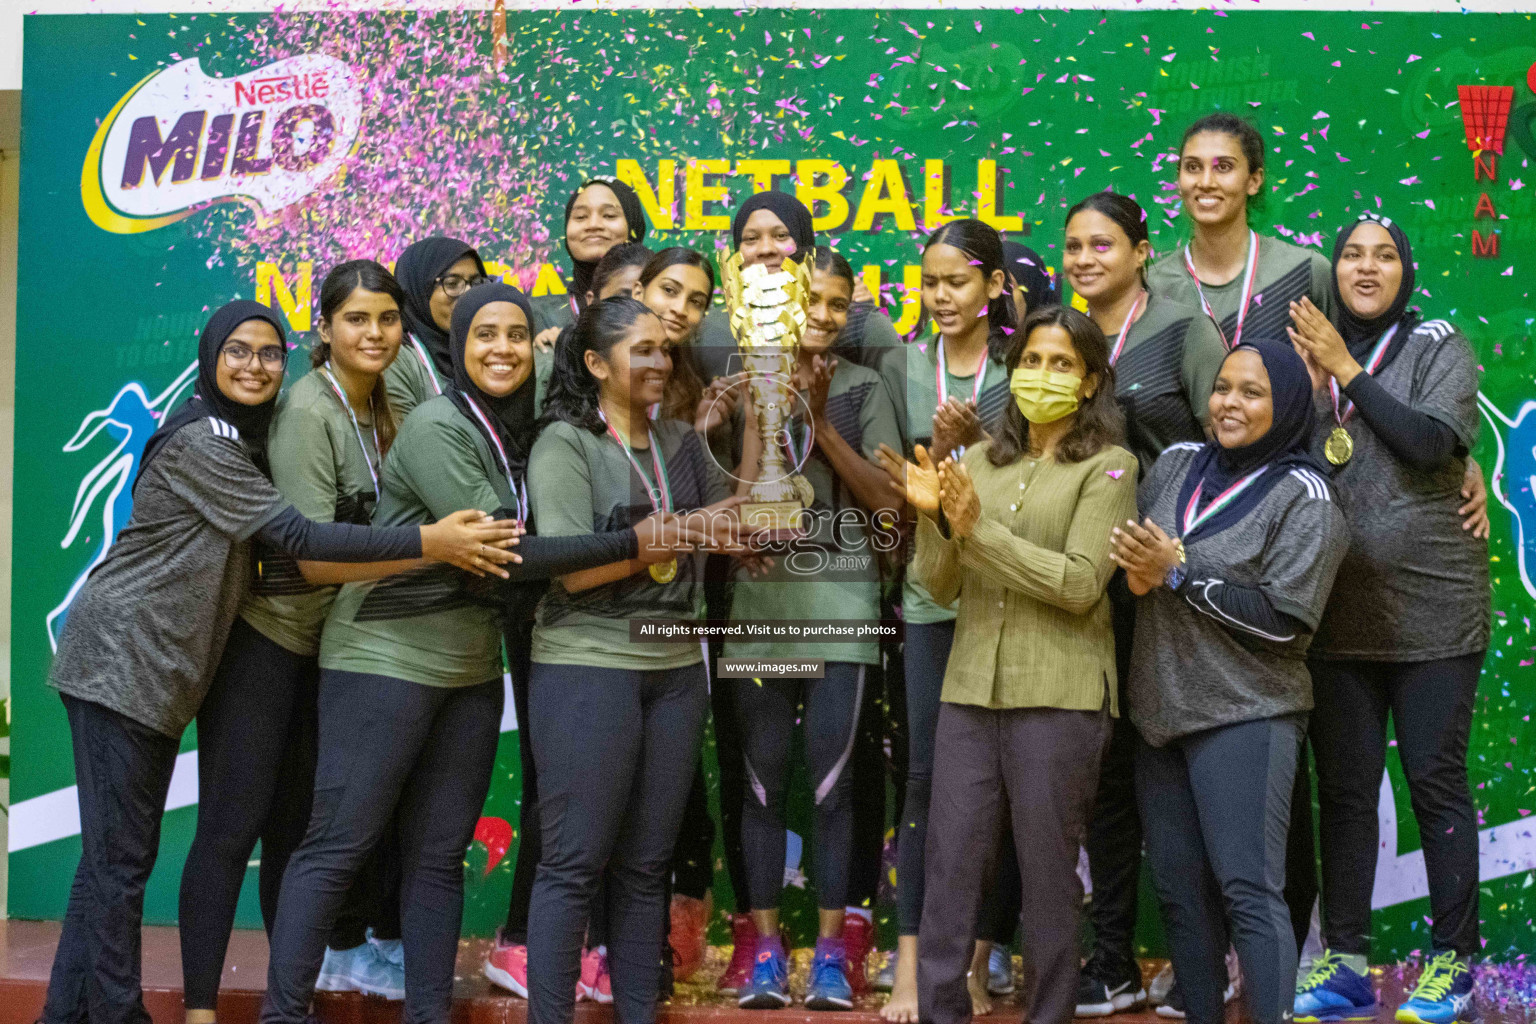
(768, 314)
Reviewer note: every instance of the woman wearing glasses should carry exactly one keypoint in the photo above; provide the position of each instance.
(149, 625)
(256, 727)
(433, 273)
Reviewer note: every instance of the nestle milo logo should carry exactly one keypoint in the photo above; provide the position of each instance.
(181, 140)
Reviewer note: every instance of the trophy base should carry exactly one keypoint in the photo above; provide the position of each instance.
(771, 521)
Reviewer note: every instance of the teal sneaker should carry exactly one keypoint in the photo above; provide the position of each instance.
(1443, 995)
(1334, 991)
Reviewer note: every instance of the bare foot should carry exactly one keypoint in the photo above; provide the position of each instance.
(976, 981)
(901, 1008)
(981, 999)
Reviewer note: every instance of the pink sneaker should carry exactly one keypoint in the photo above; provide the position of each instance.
(507, 966)
(595, 983)
(738, 976)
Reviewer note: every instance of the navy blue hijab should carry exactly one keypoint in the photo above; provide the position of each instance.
(1285, 446)
(1360, 335)
(417, 270)
(207, 400)
(513, 417)
(791, 211)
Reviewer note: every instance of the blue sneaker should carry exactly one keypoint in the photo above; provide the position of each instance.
(1000, 972)
(828, 988)
(769, 988)
(1334, 991)
(361, 969)
(1443, 994)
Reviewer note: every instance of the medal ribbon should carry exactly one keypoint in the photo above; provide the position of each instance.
(1125, 328)
(941, 381)
(1192, 521)
(520, 494)
(426, 361)
(798, 455)
(661, 495)
(1250, 272)
(1370, 368)
(373, 471)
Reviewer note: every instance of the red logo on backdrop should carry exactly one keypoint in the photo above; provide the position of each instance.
(1485, 115)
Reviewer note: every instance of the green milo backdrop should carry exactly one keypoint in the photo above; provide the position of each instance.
(173, 162)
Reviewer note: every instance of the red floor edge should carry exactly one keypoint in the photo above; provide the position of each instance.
(26, 955)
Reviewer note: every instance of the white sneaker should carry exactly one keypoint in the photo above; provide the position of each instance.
(361, 969)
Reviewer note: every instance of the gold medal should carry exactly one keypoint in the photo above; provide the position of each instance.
(1339, 447)
(664, 572)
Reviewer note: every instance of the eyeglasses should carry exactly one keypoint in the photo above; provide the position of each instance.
(453, 285)
(237, 355)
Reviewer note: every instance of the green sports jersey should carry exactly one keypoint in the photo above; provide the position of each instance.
(834, 571)
(552, 311)
(438, 625)
(911, 378)
(580, 482)
(411, 379)
(321, 464)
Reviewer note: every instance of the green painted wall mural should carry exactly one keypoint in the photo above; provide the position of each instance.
(173, 162)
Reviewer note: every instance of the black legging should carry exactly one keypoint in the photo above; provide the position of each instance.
(925, 655)
(387, 743)
(616, 750)
(1430, 704)
(769, 709)
(529, 841)
(256, 740)
(255, 777)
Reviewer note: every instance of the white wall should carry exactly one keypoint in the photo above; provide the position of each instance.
(11, 11)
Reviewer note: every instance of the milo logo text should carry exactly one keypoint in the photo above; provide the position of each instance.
(180, 141)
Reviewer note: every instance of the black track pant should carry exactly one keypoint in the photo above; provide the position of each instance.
(387, 743)
(122, 774)
(616, 752)
(769, 709)
(1430, 705)
(1216, 807)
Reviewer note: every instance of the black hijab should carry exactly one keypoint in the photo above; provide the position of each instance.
(634, 217)
(417, 270)
(1360, 335)
(207, 400)
(1285, 446)
(512, 417)
(1026, 267)
(785, 207)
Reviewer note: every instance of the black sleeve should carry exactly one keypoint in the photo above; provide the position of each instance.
(294, 535)
(544, 557)
(1239, 608)
(1416, 438)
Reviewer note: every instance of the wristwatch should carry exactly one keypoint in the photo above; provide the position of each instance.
(1179, 573)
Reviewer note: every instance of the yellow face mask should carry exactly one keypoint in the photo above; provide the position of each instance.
(1044, 396)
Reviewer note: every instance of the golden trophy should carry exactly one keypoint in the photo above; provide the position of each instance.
(768, 314)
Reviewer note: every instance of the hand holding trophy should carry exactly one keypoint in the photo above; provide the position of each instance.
(768, 314)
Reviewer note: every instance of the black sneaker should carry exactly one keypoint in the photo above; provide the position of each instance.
(1173, 1006)
(1105, 989)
